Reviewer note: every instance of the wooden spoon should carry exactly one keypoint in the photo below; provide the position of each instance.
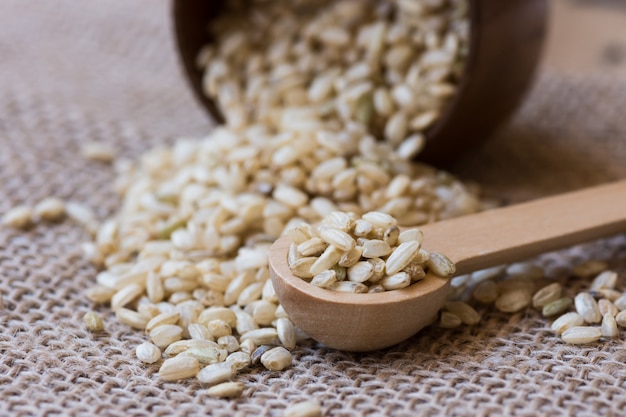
(365, 322)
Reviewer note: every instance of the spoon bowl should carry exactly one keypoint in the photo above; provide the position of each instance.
(364, 322)
(355, 322)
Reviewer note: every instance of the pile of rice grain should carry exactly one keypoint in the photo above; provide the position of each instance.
(197, 220)
(325, 104)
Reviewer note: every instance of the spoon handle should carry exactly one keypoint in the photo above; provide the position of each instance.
(517, 232)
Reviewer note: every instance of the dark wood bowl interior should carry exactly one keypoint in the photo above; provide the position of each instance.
(505, 47)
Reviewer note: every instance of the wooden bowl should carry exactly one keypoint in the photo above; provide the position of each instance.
(505, 45)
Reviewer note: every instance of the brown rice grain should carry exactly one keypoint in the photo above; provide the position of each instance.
(148, 353)
(49, 209)
(567, 321)
(579, 335)
(131, 318)
(276, 359)
(179, 367)
(513, 301)
(166, 334)
(449, 320)
(547, 294)
(589, 268)
(621, 318)
(485, 292)
(226, 390)
(215, 373)
(609, 326)
(18, 217)
(304, 409)
(93, 322)
(604, 280)
(464, 311)
(587, 307)
(557, 307)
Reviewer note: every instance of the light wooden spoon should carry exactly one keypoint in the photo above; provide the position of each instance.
(365, 322)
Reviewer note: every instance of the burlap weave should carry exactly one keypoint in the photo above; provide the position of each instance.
(72, 71)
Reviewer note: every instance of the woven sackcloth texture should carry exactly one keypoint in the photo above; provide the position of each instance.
(77, 71)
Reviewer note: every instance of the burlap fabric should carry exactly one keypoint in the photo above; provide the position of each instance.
(76, 71)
